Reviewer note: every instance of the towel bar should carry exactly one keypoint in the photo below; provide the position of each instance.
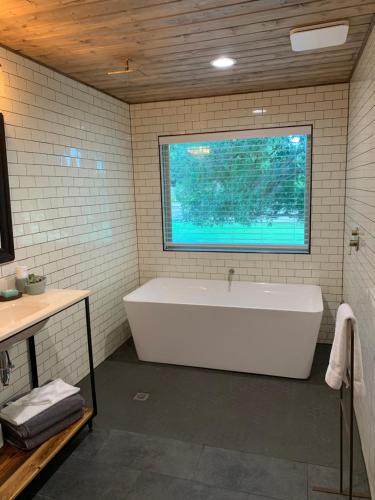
(349, 428)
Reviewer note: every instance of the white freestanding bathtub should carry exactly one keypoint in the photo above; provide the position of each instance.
(251, 327)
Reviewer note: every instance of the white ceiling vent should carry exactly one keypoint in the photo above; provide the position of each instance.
(319, 36)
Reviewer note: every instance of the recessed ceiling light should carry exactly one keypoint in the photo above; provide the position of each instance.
(259, 111)
(199, 150)
(319, 36)
(223, 62)
(295, 139)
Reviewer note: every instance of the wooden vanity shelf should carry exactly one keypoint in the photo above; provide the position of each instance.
(18, 468)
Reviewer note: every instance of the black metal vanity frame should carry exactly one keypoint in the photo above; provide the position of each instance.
(33, 358)
(18, 468)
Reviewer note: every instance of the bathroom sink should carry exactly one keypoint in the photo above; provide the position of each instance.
(27, 315)
(17, 311)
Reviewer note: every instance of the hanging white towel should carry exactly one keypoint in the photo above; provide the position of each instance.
(339, 360)
(36, 401)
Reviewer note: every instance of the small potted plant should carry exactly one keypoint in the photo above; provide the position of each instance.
(36, 284)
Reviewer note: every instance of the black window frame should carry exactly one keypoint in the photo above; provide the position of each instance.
(215, 248)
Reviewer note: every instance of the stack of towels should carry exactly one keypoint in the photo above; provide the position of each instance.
(32, 419)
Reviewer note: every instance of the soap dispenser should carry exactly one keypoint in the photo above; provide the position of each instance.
(22, 278)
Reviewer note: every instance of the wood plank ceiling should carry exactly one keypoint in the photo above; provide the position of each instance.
(172, 42)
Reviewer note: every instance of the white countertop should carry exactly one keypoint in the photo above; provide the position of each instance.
(17, 315)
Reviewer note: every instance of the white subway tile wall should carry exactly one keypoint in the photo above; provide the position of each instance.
(72, 189)
(359, 267)
(326, 108)
(72, 195)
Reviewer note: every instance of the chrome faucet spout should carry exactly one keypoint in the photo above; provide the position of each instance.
(230, 278)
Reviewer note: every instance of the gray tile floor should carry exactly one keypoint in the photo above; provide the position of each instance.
(201, 435)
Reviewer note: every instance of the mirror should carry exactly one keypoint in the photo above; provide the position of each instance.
(6, 231)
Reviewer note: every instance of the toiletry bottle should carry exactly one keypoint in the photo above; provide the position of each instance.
(22, 278)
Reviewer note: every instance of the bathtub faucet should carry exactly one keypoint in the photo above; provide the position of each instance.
(230, 278)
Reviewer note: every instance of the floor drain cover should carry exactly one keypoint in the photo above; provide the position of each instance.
(141, 396)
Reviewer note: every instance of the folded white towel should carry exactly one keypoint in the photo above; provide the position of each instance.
(36, 401)
(339, 361)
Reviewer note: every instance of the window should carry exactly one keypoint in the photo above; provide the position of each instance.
(242, 191)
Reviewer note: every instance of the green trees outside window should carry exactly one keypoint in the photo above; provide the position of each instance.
(239, 194)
